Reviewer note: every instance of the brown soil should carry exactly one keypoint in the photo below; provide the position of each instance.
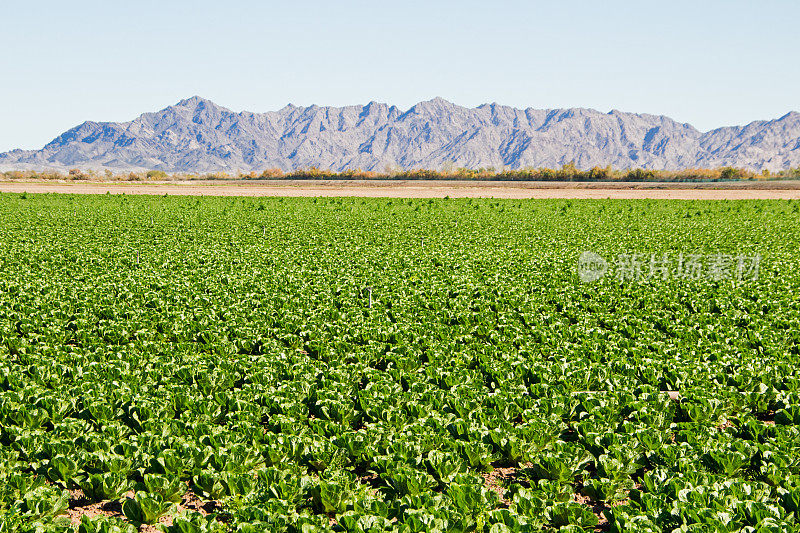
(598, 509)
(79, 506)
(428, 189)
(499, 479)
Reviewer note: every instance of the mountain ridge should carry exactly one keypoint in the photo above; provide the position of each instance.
(198, 135)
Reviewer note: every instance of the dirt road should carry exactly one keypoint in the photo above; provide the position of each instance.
(418, 189)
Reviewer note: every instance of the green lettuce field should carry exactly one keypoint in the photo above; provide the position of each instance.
(372, 365)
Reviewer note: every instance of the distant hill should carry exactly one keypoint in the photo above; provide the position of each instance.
(197, 135)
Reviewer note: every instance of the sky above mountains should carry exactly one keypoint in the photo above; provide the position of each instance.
(711, 63)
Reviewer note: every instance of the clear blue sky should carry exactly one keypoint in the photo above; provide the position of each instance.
(709, 63)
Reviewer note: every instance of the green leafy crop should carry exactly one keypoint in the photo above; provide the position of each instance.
(210, 365)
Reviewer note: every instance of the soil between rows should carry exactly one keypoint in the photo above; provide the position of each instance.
(419, 189)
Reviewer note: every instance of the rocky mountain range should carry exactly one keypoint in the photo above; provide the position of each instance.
(197, 135)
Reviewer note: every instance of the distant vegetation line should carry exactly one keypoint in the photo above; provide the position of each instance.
(568, 172)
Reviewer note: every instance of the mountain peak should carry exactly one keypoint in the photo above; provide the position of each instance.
(193, 101)
(197, 102)
(435, 106)
(437, 101)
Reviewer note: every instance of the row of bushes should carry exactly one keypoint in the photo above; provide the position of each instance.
(567, 172)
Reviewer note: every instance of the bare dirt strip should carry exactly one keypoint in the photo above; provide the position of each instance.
(423, 189)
